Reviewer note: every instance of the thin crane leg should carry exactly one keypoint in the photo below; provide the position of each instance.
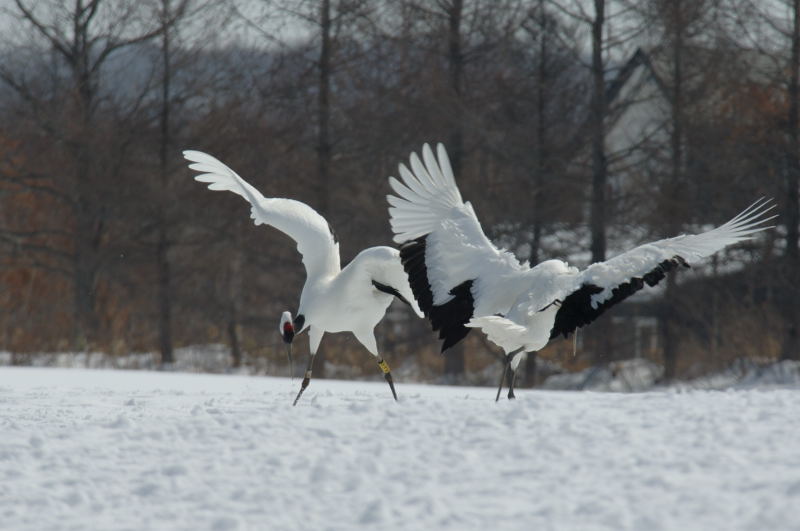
(387, 374)
(511, 379)
(291, 360)
(367, 338)
(502, 377)
(314, 339)
(509, 358)
(307, 378)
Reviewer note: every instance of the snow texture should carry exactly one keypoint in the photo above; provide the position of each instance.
(213, 357)
(84, 449)
(637, 375)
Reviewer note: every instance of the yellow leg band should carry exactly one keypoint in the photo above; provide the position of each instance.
(384, 366)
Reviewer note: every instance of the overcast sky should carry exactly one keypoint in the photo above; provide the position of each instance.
(256, 23)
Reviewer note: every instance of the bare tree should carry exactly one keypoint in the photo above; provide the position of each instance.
(599, 164)
(453, 10)
(83, 38)
(791, 343)
(598, 113)
(793, 130)
(91, 173)
(324, 107)
(687, 63)
(163, 200)
(461, 33)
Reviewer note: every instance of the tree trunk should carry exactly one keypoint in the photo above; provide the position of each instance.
(324, 151)
(454, 363)
(163, 244)
(324, 111)
(86, 225)
(541, 139)
(791, 346)
(674, 197)
(676, 136)
(599, 163)
(600, 335)
(88, 219)
(233, 338)
(164, 296)
(669, 340)
(793, 160)
(236, 292)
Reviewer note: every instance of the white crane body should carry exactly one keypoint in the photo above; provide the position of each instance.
(353, 299)
(462, 281)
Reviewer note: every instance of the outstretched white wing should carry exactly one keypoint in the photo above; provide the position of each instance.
(428, 206)
(646, 262)
(303, 224)
(454, 270)
(581, 297)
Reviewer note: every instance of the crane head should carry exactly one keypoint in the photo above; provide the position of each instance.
(286, 327)
(289, 327)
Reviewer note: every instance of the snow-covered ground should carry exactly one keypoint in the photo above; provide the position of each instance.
(82, 449)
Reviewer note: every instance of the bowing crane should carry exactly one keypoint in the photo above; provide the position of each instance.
(334, 299)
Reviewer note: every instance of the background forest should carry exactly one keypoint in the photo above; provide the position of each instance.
(576, 128)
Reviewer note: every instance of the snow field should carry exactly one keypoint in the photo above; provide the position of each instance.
(83, 449)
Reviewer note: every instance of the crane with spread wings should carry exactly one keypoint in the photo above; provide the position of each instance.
(461, 280)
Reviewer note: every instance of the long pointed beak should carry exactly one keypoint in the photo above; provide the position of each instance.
(291, 361)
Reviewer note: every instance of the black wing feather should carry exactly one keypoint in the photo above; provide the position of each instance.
(576, 309)
(389, 291)
(449, 318)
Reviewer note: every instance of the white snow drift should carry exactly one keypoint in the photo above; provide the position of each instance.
(140, 450)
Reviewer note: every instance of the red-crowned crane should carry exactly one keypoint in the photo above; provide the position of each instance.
(462, 281)
(334, 299)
